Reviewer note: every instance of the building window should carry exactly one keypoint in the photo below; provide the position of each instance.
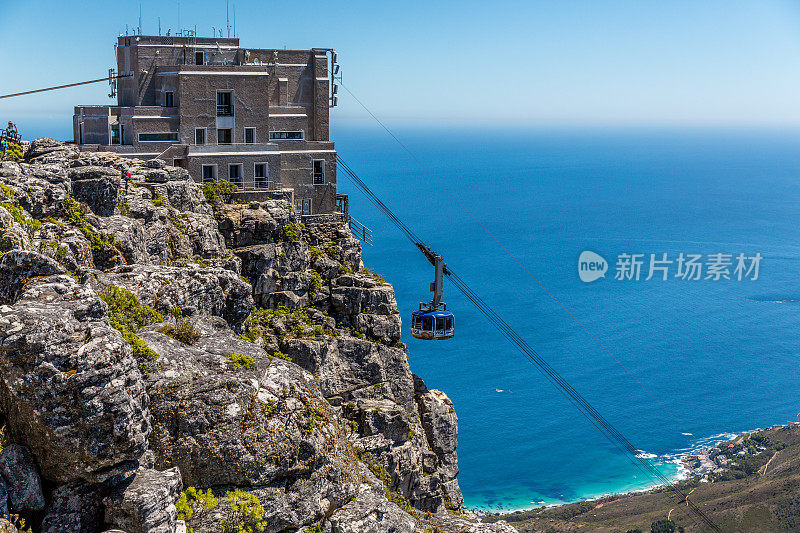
(199, 58)
(199, 136)
(249, 135)
(116, 134)
(158, 137)
(80, 133)
(319, 171)
(224, 136)
(235, 174)
(260, 175)
(209, 173)
(224, 104)
(286, 135)
(169, 99)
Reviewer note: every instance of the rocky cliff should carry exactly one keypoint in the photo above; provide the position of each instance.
(169, 362)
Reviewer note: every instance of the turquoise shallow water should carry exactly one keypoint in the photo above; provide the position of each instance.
(686, 361)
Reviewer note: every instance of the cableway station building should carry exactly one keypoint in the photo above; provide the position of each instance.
(257, 117)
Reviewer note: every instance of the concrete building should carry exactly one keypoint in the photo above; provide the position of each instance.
(256, 117)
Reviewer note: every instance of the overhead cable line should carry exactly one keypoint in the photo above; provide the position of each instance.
(107, 78)
(583, 405)
(521, 264)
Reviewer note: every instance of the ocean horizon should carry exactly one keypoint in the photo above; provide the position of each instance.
(676, 365)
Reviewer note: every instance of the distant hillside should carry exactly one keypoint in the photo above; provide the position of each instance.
(758, 489)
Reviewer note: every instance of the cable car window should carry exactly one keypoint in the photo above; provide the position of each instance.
(427, 323)
(449, 323)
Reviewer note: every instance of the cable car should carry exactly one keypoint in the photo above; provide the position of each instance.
(433, 321)
(432, 325)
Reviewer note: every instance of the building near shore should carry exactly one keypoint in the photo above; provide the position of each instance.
(257, 117)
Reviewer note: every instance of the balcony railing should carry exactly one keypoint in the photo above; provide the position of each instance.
(224, 110)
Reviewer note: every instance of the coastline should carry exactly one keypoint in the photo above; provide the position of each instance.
(746, 482)
(696, 461)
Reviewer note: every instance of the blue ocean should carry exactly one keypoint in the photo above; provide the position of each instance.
(674, 364)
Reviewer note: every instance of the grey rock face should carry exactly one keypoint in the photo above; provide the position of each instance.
(19, 266)
(196, 290)
(146, 503)
(45, 146)
(21, 476)
(352, 368)
(369, 512)
(74, 508)
(225, 425)
(70, 387)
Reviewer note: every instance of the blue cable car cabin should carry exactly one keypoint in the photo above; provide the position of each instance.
(432, 324)
(433, 321)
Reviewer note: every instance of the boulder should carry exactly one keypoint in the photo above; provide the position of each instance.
(21, 476)
(369, 512)
(146, 502)
(70, 387)
(74, 508)
(19, 266)
(196, 290)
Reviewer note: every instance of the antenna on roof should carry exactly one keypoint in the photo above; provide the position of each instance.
(234, 20)
(140, 18)
(227, 18)
(179, 13)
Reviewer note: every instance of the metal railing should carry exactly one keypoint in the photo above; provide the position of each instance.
(361, 232)
(224, 110)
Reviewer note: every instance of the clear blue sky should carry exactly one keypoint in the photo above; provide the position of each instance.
(539, 63)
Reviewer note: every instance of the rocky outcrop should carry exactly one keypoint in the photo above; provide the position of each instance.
(146, 502)
(149, 342)
(70, 388)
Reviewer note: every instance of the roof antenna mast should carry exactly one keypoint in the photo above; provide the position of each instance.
(228, 18)
(140, 18)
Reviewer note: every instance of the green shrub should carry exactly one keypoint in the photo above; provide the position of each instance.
(333, 250)
(246, 513)
(292, 231)
(281, 355)
(371, 274)
(13, 153)
(281, 322)
(665, 526)
(124, 208)
(316, 282)
(183, 331)
(316, 528)
(193, 500)
(127, 315)
(74, 213)
(7, 191)
(160, 200)
(125, 307)
(242, 360)
(19, 216)
(218, 192)
(315, 252)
